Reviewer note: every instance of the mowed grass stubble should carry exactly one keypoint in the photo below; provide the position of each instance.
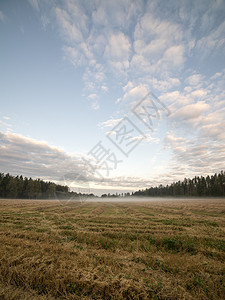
(118, 250)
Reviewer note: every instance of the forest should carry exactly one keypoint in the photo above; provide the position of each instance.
(209, 186)
(19, 187)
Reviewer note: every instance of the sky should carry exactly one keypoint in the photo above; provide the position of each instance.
(112, 96)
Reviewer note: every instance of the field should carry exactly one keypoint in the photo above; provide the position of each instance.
(94, 250)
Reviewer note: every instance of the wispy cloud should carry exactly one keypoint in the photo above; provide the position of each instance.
(118, 51)
(95, 105)
(140, 46)
(109, 123)
(2, 17)
(93, 96)
(34, 4)
(135, 41)
(191, 111)
(197, 136)
(20, 155)
(23, 155)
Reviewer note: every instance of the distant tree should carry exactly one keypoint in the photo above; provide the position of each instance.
(24, 188)
(19, 187)
(197, 186)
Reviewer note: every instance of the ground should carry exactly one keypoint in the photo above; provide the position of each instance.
(172, 249)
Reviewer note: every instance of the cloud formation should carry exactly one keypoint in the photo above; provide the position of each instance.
(2, 17)
(168, 47)
(21, 155)
(137, 41)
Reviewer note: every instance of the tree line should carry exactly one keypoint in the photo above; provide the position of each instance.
(209, 186)
(19, 187)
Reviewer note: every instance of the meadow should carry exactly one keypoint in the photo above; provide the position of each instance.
(172, 249)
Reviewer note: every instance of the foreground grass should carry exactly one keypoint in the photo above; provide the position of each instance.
(148, 250)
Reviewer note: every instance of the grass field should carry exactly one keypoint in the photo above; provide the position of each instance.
(95, 250)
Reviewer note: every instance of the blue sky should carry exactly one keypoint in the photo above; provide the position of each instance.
(71, 73)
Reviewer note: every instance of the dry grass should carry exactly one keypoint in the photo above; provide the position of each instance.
(148, 250)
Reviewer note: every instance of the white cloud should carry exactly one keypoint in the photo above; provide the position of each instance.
(2, 17)
(110, 123)
(75, 56)
(93, 96)
(117, 51)
(99, 16)
(214, 131)
(143, 47)
(195, 79)
(45, 21)
(95, 105)
(147, 138)
(95, 79)
(34, 4)
(135, 92)
(20, 155)
(70, 29)
(174, 55)
(134, 39)
(215, 39)
(149, 27)
(197, 136)
(157, 44)
(115, 14)
(5, 125)
(104, 88)
(140, 64)
(118, 47)
(195, 156)
(199, 93)
(217, 75)
(128, 86)
(172, 59)
(164, 85)
(191, 111)
(29, 157)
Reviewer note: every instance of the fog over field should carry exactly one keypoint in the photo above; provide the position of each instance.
(141, 199)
